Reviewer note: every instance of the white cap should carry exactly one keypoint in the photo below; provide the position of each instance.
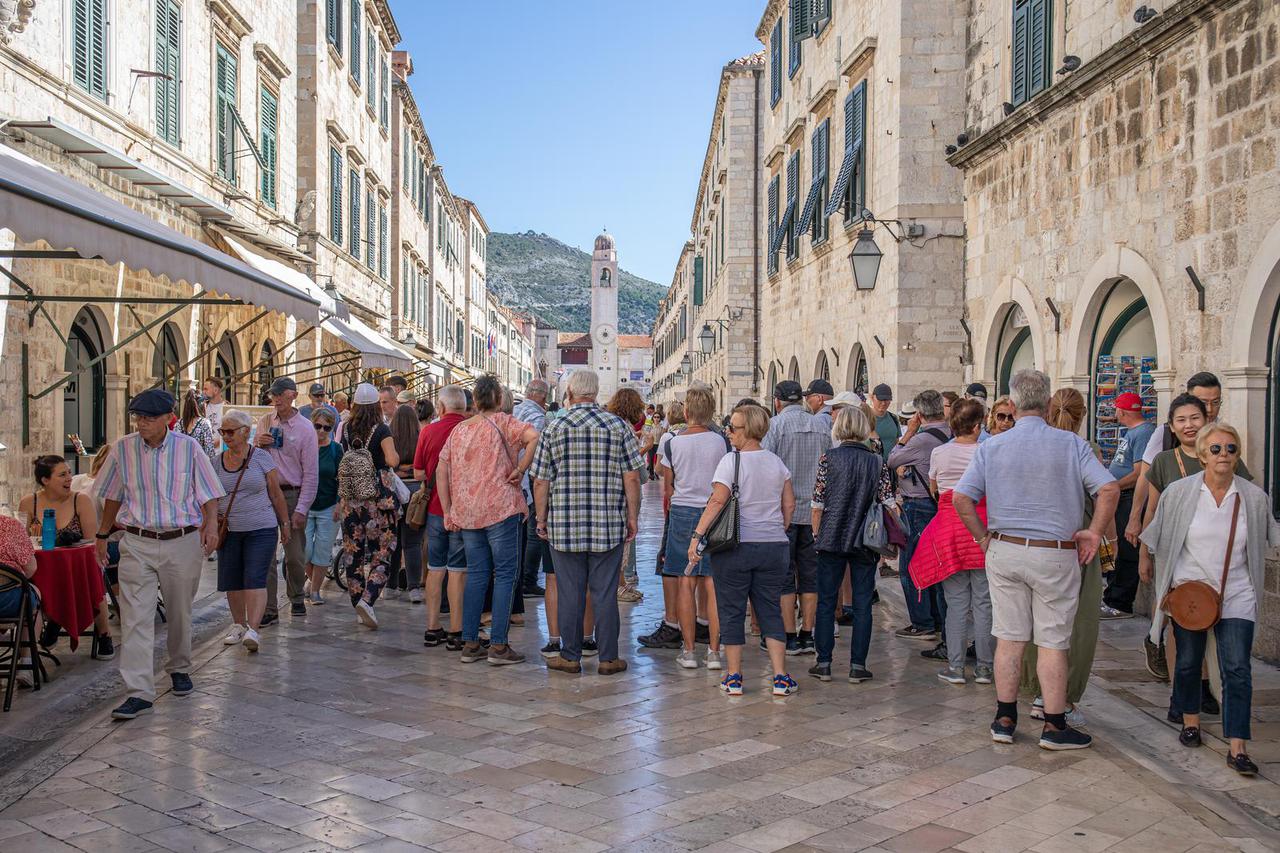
(365, 394)
(845, 398)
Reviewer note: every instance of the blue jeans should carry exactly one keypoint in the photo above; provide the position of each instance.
(245, 558)
(926, 611)
(492, 550)
(863, 578)
(1235, 642)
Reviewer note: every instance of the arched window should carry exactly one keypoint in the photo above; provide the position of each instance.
(84, 397)
(1013, 347)
(604, 278)
(822, 370)
(1124, 354)
(773, 380)
(266, 371)
(226, 367)
(166, 365)
(857, 377)
(793, 372)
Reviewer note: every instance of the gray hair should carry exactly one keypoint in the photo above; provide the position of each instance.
(236, 418)
(1030, 390)
(453, 399)
(584, 384)
(851, 424)
(536, 386)
(929, 404)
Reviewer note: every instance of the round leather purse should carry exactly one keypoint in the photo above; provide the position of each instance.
(1195, 605)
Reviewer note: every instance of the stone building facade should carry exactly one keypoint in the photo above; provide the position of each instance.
(861, 100)
(671, 344)
(724, 273)
(1124, 205)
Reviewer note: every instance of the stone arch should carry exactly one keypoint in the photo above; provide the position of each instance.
(822, 367)
(1010, 292)
(1257, 305)
(773, 378)
(85, 395)
(857, 371)
(1117, 263)
(170, 353)
(1252, 379)
(793, 369)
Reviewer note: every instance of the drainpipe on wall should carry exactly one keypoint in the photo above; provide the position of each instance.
(757, 75)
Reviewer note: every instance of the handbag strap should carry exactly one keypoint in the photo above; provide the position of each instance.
(244, 466)
(1182, 467)
(502, 439)
(737, 458)
(1231, 546)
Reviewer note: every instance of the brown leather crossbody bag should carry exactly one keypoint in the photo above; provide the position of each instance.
(1195, 605)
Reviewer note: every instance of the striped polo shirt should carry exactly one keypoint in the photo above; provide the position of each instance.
(158, 488)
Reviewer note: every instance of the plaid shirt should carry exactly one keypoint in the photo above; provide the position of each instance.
(583, 454)
(800, 439)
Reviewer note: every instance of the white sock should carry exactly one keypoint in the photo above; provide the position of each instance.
(675, 625)
(702, 621)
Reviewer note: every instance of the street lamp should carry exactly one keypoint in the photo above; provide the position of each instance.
(865, 260)
(706, 338)
(686, 365)
(409, 340)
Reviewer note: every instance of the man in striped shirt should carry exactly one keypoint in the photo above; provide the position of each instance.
(161, 488)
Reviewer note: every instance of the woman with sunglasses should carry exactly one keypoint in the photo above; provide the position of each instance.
(1207, 519)
(255, 513)
(323, 518)
(1001, 419)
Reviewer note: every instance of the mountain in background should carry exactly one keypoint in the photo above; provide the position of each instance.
(552, 281)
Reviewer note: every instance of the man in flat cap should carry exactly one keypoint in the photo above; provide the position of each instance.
(160, 487)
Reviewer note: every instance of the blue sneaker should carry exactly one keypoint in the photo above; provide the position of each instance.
(732, 684)
(181, 683)
(784, 685)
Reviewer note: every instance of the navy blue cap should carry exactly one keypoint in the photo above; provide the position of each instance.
(152, 402)
(788, 391)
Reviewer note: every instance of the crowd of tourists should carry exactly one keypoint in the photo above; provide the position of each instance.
(1012, 541)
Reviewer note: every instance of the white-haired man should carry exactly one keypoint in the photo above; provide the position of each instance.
(446, 554)
(586, 488)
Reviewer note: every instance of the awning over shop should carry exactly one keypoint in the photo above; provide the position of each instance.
(38, 203)
(289, 275)
(378, 350)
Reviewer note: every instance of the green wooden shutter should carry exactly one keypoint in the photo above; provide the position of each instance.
(354, 55)
(370, 230)
(697, 280)
(89, 46)
(772, 259)
(268, 133)
(793, 44)
(384, 91)
(355, 203)
(168, 62)
(1021, 44)
(224, 99)
(383, 266)
(775, 64)
(801, 19)
(371, 68)
(1038, 56)
(333, 23)
(335, 196)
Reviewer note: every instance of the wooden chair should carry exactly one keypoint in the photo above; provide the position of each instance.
(22, 632)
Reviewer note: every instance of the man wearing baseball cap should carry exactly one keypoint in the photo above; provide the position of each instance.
(818, 398)
(319, 400)
(799, 438)
(888, 426)
(977, 391)
(1117, 601)
(160, 487)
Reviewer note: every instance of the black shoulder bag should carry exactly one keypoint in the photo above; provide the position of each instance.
(722, 535)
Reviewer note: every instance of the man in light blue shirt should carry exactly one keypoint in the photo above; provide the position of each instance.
(1035, 479)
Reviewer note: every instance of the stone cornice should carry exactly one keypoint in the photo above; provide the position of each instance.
(859, 57)
(225, 12)
(271, 61)
(1144, 44)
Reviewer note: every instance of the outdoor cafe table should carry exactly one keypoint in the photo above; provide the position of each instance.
(70, 582)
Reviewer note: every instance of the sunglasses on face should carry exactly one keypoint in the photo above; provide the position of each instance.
(323, 428)
(1217, 449)
(734, 428)
(231, 431)
(1003, 418)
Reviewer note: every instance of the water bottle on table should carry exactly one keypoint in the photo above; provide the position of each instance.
(48, 530)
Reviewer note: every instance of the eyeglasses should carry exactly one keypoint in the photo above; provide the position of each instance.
(1216, 449)
(231, 431)
(732, 428)
(323, 428)
(1003, 418)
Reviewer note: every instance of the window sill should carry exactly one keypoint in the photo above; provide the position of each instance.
(354, 84)
(335, 55)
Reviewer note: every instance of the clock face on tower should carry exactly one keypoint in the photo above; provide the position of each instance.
(605, 334)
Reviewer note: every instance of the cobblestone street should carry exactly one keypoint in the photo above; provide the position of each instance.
(338, 738)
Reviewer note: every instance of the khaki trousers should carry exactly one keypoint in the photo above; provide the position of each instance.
(147, 566)
(295, 561)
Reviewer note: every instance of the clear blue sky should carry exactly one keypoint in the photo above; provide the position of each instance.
(567, 117)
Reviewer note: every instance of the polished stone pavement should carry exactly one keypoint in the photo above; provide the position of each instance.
(338, 738)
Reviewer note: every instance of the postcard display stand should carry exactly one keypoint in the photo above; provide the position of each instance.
(1114, 377)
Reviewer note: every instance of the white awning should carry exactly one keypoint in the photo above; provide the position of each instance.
(289, 275)
(38, 203)
(377, 349)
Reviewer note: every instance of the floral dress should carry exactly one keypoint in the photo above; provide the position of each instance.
(202, 431)
(369, 528)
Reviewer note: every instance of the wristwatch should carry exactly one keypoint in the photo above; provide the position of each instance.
(101, 535)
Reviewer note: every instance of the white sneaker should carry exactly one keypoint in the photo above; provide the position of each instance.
(364, 612)
(393, 594)
(415, 596)
(713, 660)
(234, 636)
(251, 639)
(688, 660)
(1075, 717)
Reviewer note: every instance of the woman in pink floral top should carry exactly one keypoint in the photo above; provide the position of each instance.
(16, 551)
(478, 481)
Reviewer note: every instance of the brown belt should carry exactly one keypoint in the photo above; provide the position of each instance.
(1056, 544)
(161, 535)
(285, 487)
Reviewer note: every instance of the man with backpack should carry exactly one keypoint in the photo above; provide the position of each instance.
(909, 457)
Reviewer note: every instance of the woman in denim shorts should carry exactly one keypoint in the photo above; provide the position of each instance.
(688, 461)
(322, 520)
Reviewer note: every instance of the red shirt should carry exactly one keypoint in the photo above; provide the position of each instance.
(427, 454)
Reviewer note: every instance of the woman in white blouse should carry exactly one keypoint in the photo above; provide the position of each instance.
(1192, 537)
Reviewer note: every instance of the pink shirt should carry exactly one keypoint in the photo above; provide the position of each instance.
(481, 456)
(298, 462)
(16, 549)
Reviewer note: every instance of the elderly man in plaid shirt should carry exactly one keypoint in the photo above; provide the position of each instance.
(586, 490)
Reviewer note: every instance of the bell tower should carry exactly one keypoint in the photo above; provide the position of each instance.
(604, 315)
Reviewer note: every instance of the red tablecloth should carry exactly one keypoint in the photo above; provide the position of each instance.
(70, 583)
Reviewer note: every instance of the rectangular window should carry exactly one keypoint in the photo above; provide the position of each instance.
(812, 219)
(821, 16)
(89, 46)
(697, 280)
(793, 194)
(268, 133)
(384, 103)
(333, 23)
(775, 64)
(168, 63)
(226, 81)
(382, 240)
(851, 183)
(406, 162)
(356, 17)
(793, 49)
(1032, 48)
(335, 196)
(370, 231)
(371, 67)
(771, 262)
(356, 200)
